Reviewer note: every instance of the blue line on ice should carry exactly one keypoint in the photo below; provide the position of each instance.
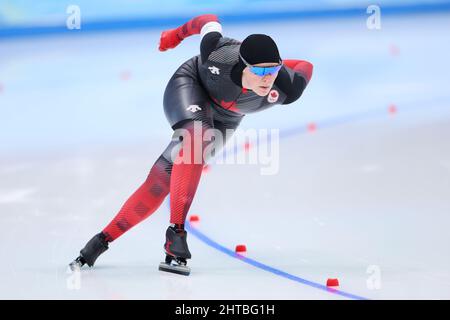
(265, 267)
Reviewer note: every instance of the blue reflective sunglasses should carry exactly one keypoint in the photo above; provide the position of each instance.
(262, 71)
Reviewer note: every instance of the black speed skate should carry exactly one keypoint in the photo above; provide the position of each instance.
(91, 251)
(177, 252)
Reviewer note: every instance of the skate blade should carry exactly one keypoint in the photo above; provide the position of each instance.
(74, 266)
(183, 270)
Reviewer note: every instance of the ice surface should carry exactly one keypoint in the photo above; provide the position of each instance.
(82, 123)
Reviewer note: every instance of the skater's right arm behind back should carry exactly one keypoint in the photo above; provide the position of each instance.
(209, 44)
(212, 41)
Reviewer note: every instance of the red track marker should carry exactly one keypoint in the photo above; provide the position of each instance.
(125, 75)
(194, 218)
(394, 50)
(332, 283)
(392, 109)
(240, 249)
(312, 127)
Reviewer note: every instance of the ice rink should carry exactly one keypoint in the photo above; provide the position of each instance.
(364, 198)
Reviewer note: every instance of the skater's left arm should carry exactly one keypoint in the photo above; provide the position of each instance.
(293, 78)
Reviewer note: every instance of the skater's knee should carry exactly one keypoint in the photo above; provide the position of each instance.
(161, 169)
(190, 140)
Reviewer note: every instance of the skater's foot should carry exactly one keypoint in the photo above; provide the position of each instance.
(93, 249)
(177, 252)
(176, 243)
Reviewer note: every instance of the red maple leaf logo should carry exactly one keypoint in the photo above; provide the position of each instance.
(229, 105)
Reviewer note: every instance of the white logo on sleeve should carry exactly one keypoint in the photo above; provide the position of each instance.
(214, 70)
(273, 96)
(193, 108)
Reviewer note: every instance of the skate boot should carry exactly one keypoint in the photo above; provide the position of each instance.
(177, 252)
(93, 249)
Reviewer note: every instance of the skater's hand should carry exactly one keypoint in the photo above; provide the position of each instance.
(169, 39)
